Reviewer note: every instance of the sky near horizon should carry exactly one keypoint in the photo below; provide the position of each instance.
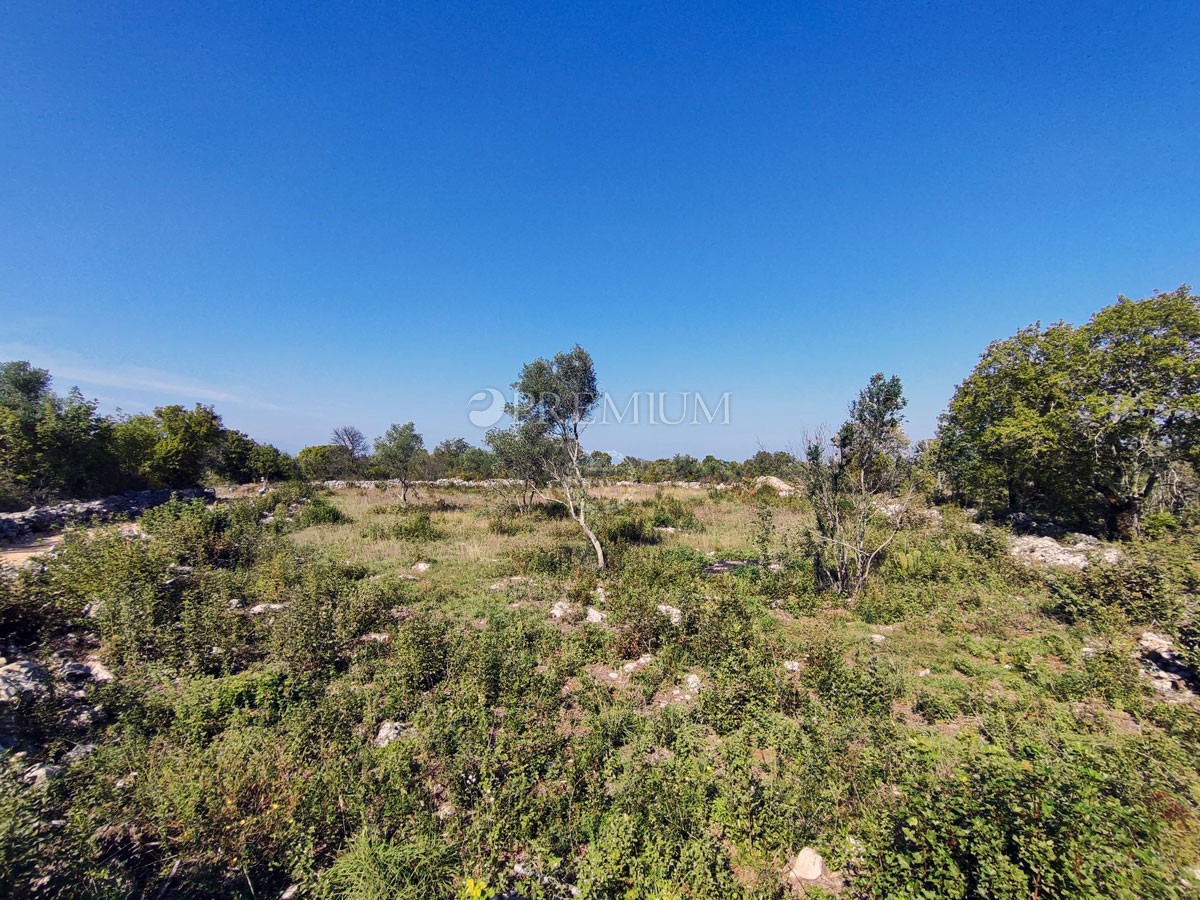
(312, 215)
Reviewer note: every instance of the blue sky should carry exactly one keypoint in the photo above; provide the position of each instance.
(317, 214)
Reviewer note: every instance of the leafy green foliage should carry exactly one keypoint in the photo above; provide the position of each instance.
(1041, 823)
(1080, 423)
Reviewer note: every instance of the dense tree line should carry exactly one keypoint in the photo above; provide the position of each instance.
(56, 447)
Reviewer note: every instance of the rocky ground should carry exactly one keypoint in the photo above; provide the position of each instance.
(21, 526)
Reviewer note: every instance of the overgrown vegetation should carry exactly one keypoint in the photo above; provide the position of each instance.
(359, 693)
(687, 744)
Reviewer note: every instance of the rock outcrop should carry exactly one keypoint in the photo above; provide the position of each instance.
(1050, 552)
(19, 525)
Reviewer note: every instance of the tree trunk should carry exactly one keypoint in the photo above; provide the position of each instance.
(591, 536)
(1122, 518)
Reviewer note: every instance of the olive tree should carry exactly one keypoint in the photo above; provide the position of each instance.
(398, 455)
(554, 401)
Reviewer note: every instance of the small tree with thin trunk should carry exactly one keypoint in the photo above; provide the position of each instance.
(555, 399)
(398, 453)
(521, 454)
(854, 484)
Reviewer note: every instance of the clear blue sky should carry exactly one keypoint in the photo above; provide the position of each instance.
(317, 214)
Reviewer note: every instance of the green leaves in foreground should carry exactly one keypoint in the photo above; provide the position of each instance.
(1044, 824)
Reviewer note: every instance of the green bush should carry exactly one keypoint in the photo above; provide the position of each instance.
(559, 561)
(667, 511)
(1046, 823)
(1141, 587)
(372, 867)
(1159, 524)
(416, 525)
(625, 527)
(318, 511)
(329, 610)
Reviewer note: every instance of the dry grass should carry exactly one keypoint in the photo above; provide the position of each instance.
(468, 557)
(476, 554)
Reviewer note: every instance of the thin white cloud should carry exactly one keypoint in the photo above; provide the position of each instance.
(135, 378)
(70, 369)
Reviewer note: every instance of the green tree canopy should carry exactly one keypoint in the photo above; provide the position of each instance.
(1080, 423)
(399, 453)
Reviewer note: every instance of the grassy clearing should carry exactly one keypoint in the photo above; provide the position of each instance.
(425, 707)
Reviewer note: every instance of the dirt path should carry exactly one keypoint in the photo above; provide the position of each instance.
(17, 554)
(20, 552)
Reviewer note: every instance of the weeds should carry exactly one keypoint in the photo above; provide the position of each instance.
(971, 748)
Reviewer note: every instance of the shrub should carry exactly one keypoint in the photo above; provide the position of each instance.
(416, 526)
(319, 511)
(1045, 823)
(326, 615)
(851, 687)
(1140, 587)
(1108, 673)
(559, 561)
(667, 511)
(625, 527)
(371, 867)
(1158, 524)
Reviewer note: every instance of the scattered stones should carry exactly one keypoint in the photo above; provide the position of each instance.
(561, 609)
(90, 669)
(505, 583)
(632, 668)
(390, 731)
(725, 565)
(665, 529)
(73, 671)
(78, 752)
(422, 566)
(1168, 673)
(895, 512)
(924, 673)
(1023, 523)
(487, 483)
(672, 613)
(83, 718)
(778, 485)
(595, 616)
(693, 682)
(37, 776)
(876, 638)
(375, 637)
(1155, 643)
(791, 665)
